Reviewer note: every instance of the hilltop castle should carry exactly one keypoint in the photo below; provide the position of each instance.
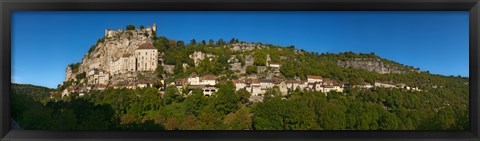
(141, 57)
(149, 30)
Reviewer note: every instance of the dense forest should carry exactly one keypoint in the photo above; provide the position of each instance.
(441, 105)
(145, 109)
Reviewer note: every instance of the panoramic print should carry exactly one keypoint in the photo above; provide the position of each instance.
(240, 70)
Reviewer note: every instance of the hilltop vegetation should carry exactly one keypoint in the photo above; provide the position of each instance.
(441, 105)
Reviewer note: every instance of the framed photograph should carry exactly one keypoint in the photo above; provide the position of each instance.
(239, 70)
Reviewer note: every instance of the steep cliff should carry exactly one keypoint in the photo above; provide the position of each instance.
(376, 65)
(110, 49)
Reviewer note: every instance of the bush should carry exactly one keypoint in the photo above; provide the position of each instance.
(251, 69)
(130, 27)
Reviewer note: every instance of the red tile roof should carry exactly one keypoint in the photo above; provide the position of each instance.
(146, 46)
(314, 76)
(209, 77)
(238, 81)
(193, 74)
(253, 81)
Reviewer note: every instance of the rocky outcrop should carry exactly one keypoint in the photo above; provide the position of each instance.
(246, 46)
(112, 48)
(369, 64)
(198, 56)
(69, 75)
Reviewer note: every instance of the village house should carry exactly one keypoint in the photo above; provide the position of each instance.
(283, 87)
(98, 77)
(147, 57)
(206, 83)
(180, 83)
(255, 87)
(294, 84)
(209, 79)
(209, 90)
(123, 65)
(313, 78)
(265, 84)
(239, 84)
(193, 79)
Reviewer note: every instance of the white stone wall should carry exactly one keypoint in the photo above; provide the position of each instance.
(377, 84)
(256, 90)
(209, 91)
(209, 82)
(283, 88)
(239, 86)
(313, 80)
(194, 81)
(115, 66)
(266, 85)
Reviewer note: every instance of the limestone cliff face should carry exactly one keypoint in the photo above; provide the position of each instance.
(69, 74)
(112, 48)
(376, 65)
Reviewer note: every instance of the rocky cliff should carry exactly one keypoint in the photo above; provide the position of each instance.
(376, 65)
(110, 49)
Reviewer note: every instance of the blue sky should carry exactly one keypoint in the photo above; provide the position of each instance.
(44, 43)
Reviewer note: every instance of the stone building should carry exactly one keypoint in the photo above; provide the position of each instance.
(314, 78)
(193, 79)
(209, 79)
(98, 77)
(146, 56)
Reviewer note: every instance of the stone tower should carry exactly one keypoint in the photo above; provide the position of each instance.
(154, 27)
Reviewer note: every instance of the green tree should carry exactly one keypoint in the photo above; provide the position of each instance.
(251, 69)
(226, 100)
(180, 44)
(211, 42)
(232, 41)
(171, 94)
(277, 114)
(220, 42)
(332, 115)
(195, 103)
(260, 58)
(244, 95)
(130, 27)
(240, 120)
(159, 71)
(193, 42)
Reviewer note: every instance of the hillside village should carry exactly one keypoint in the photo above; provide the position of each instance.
(128, 59)
(131, 79)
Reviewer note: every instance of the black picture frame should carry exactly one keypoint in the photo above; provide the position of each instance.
(9, 6)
